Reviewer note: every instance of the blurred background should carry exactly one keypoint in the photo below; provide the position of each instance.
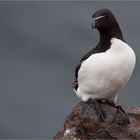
(40, 45)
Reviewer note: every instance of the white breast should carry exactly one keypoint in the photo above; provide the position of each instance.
(102, 75)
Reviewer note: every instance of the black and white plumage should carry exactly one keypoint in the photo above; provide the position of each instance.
(104, 70)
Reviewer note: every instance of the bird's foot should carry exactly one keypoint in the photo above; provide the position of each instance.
(99, 111)
(120, 109)
(125, 116)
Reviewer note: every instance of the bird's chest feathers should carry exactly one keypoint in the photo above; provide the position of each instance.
(118, 61)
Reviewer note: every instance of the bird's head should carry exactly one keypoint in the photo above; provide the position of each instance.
(103, 20)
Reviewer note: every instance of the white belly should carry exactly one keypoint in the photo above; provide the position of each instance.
(102, 75)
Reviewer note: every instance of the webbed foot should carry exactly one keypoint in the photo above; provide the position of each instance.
(120, 109)
(125, 116)
(99, 111)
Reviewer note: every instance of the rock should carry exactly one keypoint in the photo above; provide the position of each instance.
(82, 123)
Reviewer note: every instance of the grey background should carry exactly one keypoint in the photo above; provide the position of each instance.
(40, 45)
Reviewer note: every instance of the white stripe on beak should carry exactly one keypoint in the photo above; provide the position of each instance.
(99, 17)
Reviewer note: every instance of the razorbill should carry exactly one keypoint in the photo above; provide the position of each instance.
(105, 69)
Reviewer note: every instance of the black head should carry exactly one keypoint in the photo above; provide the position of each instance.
(104, 20)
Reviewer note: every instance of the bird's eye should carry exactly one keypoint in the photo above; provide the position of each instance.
(107, 16)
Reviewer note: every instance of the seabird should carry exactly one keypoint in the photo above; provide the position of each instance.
(105, 69)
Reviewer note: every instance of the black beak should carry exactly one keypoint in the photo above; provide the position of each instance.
(93, 24)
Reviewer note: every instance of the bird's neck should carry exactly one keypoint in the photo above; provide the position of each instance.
(106, 36)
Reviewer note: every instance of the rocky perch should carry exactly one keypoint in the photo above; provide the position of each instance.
(82, 123)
